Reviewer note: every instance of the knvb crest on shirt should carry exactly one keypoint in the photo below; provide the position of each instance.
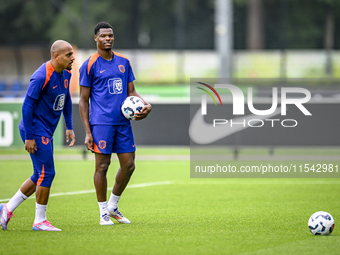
(115, 86)
(59, 102)
(66, 83)
(121, 68)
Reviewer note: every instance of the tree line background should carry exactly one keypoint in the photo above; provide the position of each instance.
(172, 24)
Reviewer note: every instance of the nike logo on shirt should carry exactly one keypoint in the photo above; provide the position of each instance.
(102, 71)
(55, 86)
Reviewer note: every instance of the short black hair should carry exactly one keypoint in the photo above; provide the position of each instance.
(101, 25)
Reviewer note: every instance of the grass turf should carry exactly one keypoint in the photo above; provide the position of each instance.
(186, 216)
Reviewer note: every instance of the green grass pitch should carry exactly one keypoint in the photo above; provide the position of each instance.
(175, 215)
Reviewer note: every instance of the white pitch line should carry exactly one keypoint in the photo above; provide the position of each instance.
(132, 186)
(148, 184)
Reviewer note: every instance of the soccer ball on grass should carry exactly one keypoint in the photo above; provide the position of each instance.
(131, 105)
(321, 223)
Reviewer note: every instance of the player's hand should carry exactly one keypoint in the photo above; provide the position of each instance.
(89, 141)
(30, 146)
(70, 134)
(143, 113)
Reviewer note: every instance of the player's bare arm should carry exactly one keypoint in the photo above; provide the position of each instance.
(147, 107)
(84, 113)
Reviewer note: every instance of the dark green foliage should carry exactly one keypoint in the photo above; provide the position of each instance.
(156, 24)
